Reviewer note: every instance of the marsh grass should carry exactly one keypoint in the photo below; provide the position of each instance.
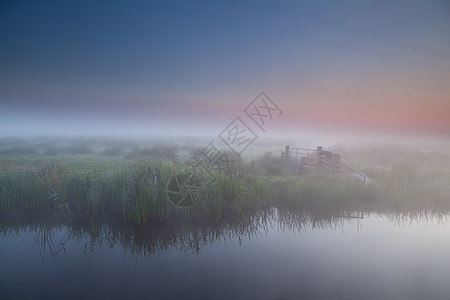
(323, 191)
(135, 191)
(411, 186)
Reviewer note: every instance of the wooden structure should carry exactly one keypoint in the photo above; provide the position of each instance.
(303, 160)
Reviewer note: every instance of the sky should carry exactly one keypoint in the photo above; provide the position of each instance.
(192, 67)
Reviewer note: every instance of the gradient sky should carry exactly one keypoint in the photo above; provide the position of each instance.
(190, 67)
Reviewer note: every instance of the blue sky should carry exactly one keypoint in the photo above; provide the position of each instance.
(139, 66)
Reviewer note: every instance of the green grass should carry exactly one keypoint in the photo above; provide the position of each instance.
(136, 191)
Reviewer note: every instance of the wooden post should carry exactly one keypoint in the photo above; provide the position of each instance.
(319, 157)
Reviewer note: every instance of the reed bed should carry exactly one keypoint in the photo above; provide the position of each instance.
(136, 191)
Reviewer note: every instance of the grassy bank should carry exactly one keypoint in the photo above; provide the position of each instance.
(152, 190)
(139, 191)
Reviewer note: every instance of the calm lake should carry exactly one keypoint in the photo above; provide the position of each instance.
(277, 256)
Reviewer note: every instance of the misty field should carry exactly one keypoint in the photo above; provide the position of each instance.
(159, 183)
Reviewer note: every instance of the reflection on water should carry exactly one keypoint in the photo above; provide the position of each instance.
(275, 254)
(50, 237)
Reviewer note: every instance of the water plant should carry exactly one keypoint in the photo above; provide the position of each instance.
(149, 190)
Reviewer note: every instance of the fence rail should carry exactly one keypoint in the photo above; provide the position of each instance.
(295, 159)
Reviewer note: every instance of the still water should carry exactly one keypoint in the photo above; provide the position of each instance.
(277, 256)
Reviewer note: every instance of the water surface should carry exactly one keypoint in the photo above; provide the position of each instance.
(278, 256)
